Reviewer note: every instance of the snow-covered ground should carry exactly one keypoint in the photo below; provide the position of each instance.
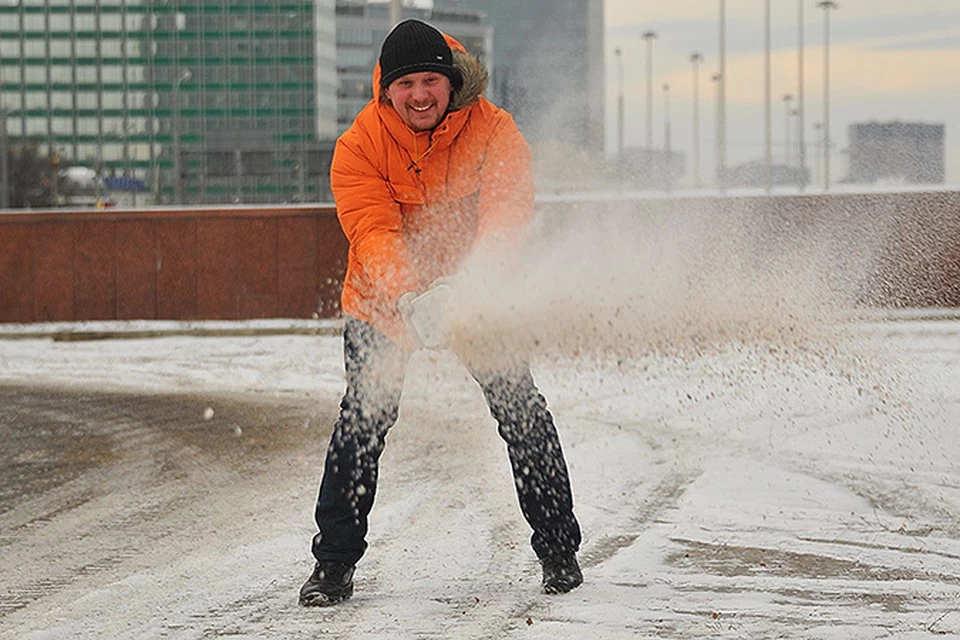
(754, 491)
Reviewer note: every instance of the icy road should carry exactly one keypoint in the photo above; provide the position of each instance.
(163, 488)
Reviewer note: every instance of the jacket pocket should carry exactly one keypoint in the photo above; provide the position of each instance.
(406, 193)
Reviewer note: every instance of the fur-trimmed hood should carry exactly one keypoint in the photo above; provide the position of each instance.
(473, 74)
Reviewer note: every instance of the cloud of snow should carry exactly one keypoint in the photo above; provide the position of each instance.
(610, 282)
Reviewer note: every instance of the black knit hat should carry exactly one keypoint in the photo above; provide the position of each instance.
(414, 46)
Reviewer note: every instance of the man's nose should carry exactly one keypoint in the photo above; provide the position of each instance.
(420, 92)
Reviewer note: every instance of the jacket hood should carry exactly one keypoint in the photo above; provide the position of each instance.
(472, 72)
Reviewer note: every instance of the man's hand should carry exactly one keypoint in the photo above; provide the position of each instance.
(424, 314)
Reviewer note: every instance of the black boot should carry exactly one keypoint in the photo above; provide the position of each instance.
(330, 583)
(561, 573)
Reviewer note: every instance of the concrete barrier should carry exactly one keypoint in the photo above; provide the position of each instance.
(235, 263)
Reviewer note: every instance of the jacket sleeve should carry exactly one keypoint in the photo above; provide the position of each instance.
(506, 187)
(371, 221)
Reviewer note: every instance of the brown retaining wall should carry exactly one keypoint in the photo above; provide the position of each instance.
(288, 262)
(170, 264)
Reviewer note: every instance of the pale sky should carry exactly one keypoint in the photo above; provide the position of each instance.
(889, 60)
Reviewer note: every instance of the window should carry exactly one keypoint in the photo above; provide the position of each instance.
(11, 100)
(220, 163)
(61, 73)
(88, 126)
(60, 49)
(257, 163)
(35, 49)
(86, 48)
(37, 127)
(110, 22)
(61, 100)
(61, 126)
(112, 99)
(86, 100)
(59, 23)
(86, 74)
(112, 74)
(10, 48)
(34, 22)
(35, 74)
(84, 22)
(36, 100)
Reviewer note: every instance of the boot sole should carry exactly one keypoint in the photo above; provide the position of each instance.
(326, 599)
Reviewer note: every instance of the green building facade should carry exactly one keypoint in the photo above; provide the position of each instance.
(245, 91)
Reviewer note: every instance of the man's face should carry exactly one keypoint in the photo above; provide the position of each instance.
(420, 98)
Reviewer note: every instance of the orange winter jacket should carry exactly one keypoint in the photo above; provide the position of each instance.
(414, 205)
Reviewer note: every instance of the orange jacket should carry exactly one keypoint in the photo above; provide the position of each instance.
(413, 205)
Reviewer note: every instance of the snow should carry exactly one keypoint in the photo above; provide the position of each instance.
(754, 490)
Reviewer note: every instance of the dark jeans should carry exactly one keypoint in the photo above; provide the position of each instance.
(375, 370)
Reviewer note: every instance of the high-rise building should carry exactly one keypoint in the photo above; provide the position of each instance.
(901, 152)
(244, 90)
(547, 66)
(361, 28)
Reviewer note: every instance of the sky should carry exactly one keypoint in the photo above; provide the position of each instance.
(889, 60)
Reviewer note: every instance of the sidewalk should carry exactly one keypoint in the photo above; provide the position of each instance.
(137, 329)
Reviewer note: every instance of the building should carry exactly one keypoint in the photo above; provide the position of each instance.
(897, 152)
(547, 66)
(245, 91)
(361, 28)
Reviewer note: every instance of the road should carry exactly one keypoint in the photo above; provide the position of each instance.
(746, 493)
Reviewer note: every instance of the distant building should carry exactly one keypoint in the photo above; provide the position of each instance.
(361, 28)
(547, 66)
(898, 152)
(96, 83)
(754, 174)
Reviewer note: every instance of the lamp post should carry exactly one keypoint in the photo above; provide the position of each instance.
(787, 112)
(696, 59)
(396, 12)
(717, 80)
(767, 101)
(801, 106)
(667, 146)
(721, 79)
(618, 52)
(182, 77)
(826, 5)
(649, 36)
(818, 145)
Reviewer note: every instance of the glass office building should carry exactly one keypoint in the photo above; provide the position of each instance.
(244, 90)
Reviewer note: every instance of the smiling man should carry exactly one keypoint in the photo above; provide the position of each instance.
(429, 173)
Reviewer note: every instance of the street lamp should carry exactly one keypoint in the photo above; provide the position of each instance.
(649, 36)
(826, 5)
(801, 106)
(396, 12)
(787, 112)
(717, 80)
(767, 101)
(182, 77)
(721, 79)
(667, 147)
(696, 59)
(618, 52)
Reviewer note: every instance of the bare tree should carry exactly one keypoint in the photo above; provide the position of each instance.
(32, 177)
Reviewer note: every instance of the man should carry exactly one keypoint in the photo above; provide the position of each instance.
(429, 173)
